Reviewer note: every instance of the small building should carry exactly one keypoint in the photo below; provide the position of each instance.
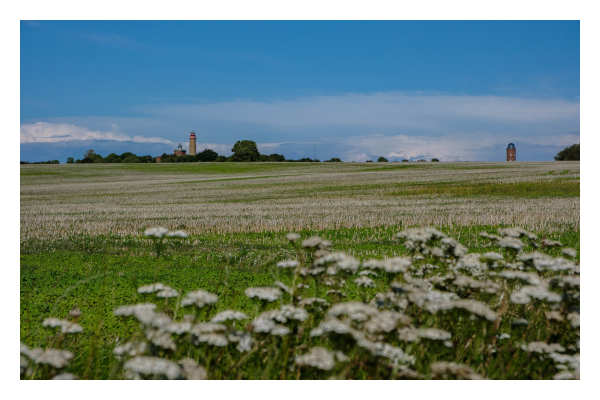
(511, 152)
(158, 159)
(179, 151)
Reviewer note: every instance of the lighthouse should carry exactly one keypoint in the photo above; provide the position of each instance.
(192, 144)
(511, 152)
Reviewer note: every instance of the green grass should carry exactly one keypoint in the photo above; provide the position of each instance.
(98, 274)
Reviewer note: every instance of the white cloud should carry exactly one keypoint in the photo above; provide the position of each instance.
(383, 110)
(45, 132)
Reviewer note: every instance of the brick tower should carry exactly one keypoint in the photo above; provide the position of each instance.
(192, 144)
(511, 152)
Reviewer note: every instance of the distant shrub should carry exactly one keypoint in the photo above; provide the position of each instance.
(570, 153)
(382, 159)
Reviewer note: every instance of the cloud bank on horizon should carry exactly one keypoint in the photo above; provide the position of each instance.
(353, 127)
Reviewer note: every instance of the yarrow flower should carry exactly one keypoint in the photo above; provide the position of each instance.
(292, 237)
(288, 264)
(191, 370)
(450, 370)
(364, 282)
(229, 315)
(180, 234)
(200, 298)
(156, 233)
(318, 357)
(153, 366)
(264, 293)
(65, 326)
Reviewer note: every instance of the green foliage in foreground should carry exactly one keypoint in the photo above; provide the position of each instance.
(99, 274)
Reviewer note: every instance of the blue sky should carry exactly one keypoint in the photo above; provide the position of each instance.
(455, 90)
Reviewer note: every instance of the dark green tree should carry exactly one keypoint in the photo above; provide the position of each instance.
(207, 155)
(570, 153)
(435, 160)
(132, 159)
(221, 159)
(245, 151)
(405, 160)
(382, 159)
(334, 159)
(70, 160)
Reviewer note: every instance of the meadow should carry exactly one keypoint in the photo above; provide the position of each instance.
(361, 302)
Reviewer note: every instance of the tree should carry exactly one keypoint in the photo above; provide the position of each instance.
(405, 160)
(221, 159)
(435, 160)
(382, 159)
(207, 155)
(245, 151)
(334, 159)
(89, 154)
(131, 159)
(87, 160)
(70, 160)
(570, 153)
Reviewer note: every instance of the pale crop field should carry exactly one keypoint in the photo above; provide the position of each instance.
(62, 200)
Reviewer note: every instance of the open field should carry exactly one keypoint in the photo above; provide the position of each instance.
(60, 200)
(512, 316)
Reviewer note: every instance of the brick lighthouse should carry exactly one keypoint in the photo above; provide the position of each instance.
(511, 152)
(192, 144)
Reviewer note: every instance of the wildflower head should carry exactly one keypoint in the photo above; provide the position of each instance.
(287, 264)
(229, 315)
(292, 237)
(263, 293)
(65, 326)
(177, 234)
(200, 298)
(317, 357)
(142, 365)
(156, 233)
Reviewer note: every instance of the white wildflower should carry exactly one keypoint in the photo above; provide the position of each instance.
(574, 318)
(213, 339)
(180, 234)
(569, 252)
(540, 292)
(75, 312)
(191, 370)
(434, 334)
(318, 357)
(420, 235)
(288, 264)
(292, 237)
(65, 326)
(64, 377)
(510, 242)
(450, 370)
(229, 315)
(503, 336)
(168, 292)
(386, 321)
(452, 247)
(551, 243)
(355, 310)
(156, 232)
(489, 236)
(542, 348)
(482, 286)
(490, 257)
(153, 366)
(316, 241)
(408, 334)
(517, 232)
(554, 316)
(279, 330)
(263, 293)
(132, 349)
(564, 375)
(520, 322)
(530, 277)
(207, 327)
(57, 358)
(471, 264)
(283, 287)
(365, 273)
(151, 288)
(364, 281)
(200, 298)
(160, 338)
(332, 324)
(245, 343)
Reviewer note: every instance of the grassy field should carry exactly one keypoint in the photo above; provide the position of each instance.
(236, 197)
(82, 247)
